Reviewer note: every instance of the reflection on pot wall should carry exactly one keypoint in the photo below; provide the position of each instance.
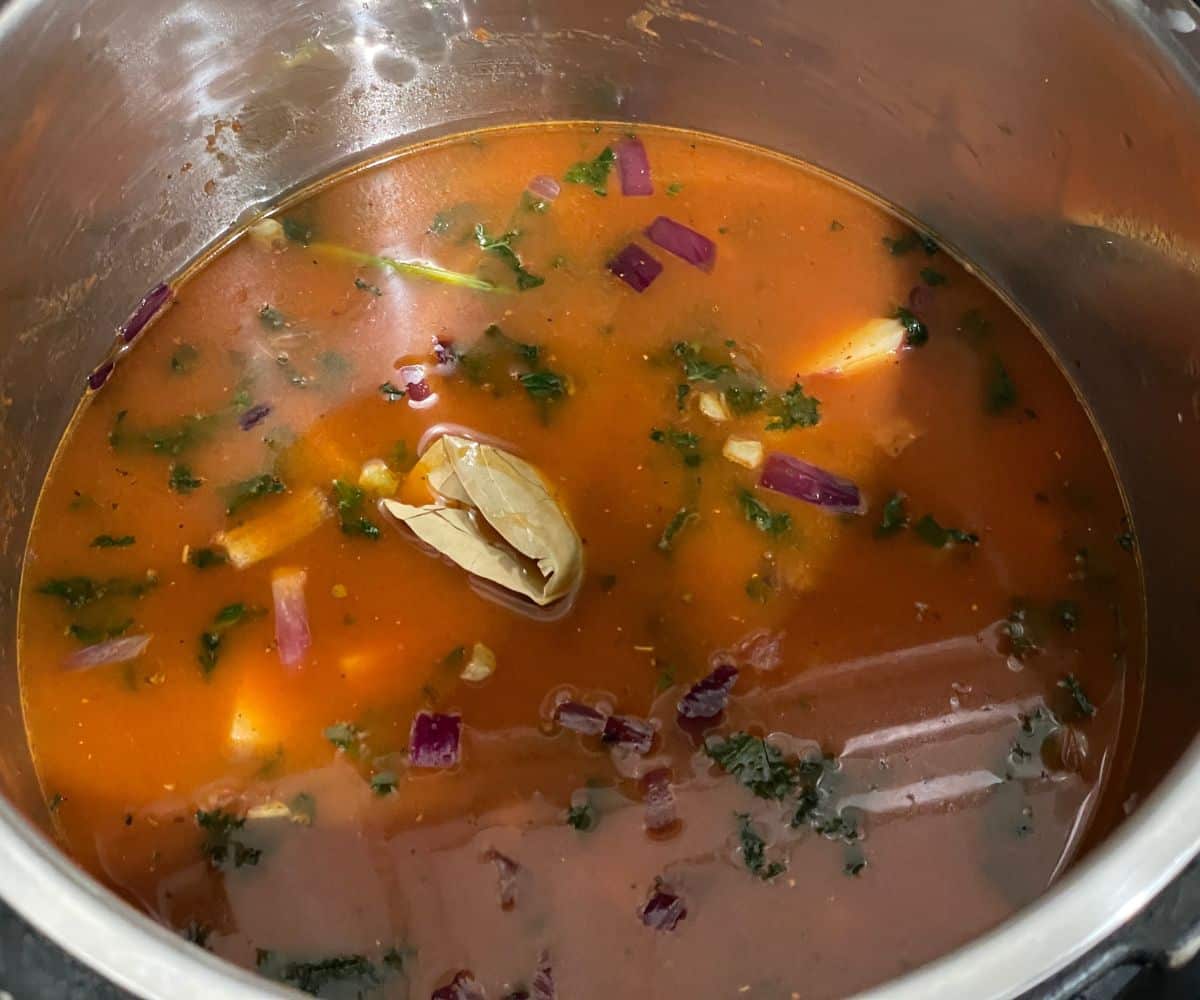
(1044, 142)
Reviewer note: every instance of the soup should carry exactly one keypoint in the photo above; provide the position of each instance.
(557, 562)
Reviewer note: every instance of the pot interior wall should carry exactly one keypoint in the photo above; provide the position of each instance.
(1055, 145)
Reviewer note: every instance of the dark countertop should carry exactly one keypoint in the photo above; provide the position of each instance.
(32, 968)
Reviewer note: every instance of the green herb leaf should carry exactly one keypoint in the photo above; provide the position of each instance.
(681, 519)
(593, 173)
(1066, 613)
(112, 541)
(582, 817)
(271, 318)
(1126, 541)
(238, 495)
(761, 516)
(211, 642)
(755, 763)
(392, 392)
(895, 516)
(835, 226)
(932, 278)
(184, 358)
(297, 230)
(326, 977)
(916, 333)
(206, 558)
(91, 634)
(1083, 704)
(910, 241)
(80, 591)
(222, 846)
(1022, 635)
(744, 397)
(695, 367)
(501, 246)
(349, 504)
(1000, 391)
(754, 850)
(383, 782)
(544, 385)
(181, 480)
(684, 442)
(673, 189)
(932, 533)
(344, 735)
(681, 396)
(794, 409)
(366, 286)
(759, 588)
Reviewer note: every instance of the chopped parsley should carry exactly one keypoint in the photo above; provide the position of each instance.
(1066, 613)
(999, 389)
(349, 506)
(755, 763)
(674, 188)
(931, 533)
(501, 246)
(1126, 541)
(392, 392)
(932, 277)
(898, 247)
(184, 358)
(383, 782)
(754, 850)
(442, 221)
(181, 480)
(171, 439)
(343, 735)
(317, 977)
(681, 396)
(759, 588)
(916, 333)
(582, 817)
(237, 495)
(80, 591)
(91, 634)
(593, 173)
(745, 397)
(684, 442)
(366, 286)
(762, 517)
(1083, 704)
(695, 367)
(112, 541)
(1021, 632)
(222, 846)
(679, 520)
(894, 517)
(835, 226)
(212, 640)
(206, 558)
(271, 318)
(793, 409)
(298, 230)
(544, 385)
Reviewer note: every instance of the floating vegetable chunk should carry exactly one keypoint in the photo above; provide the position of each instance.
(873, 343)
(538, 553)
(285, 524)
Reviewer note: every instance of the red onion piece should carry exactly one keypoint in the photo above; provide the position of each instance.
(683, 242)
(762, 649)
(795, 478)
(579, 718)
(663, 910)
(100, 375)
(629, 732)
(434, 740)
(506, 878)
(254, 416)
(127, 647)
(463, 987)
(445, 355)
(419, 391)
(292, 635)
(542, 987)
(413, 377)
(633, 166)
(154, 300)
(659, 799)
(545, 187)
(635, 267)
(707, 698)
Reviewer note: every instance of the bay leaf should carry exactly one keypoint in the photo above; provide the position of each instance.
(494, 516)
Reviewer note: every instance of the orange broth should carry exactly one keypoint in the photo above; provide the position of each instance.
(959, 709)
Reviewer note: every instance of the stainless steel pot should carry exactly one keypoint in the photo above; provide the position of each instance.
(1056, 145)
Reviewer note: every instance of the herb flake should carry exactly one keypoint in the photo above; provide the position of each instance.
(593, 173)
(755, 763)
(762, 517)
